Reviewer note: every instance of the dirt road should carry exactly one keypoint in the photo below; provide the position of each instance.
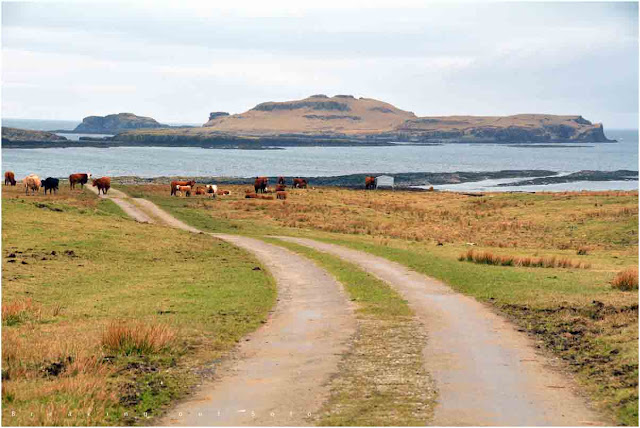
(486, 372)
(281, 371)
(279, 374)
(123, 201)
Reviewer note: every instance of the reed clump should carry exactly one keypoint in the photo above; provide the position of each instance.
(489, 258)
(627, 280)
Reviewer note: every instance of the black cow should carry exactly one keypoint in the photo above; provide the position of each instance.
(50, 184)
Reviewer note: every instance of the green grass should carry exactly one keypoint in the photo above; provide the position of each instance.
(84, 265)
(382, 380)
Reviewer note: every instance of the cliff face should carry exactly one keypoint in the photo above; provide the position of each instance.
(25, 135)
(114, 123)
(518, 128)
(365, 120)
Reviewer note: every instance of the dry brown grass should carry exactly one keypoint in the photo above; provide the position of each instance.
(489, 258)
(18, 311)
(626, 280)
(564, 221)
(137, 338)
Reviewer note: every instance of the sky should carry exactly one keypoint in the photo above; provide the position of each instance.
(178, 62)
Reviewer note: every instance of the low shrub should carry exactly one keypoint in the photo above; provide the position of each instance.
(626, 280)
(137, 338)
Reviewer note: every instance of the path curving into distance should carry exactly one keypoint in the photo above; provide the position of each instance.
(486, 372)
(123, 201)
(279, 374)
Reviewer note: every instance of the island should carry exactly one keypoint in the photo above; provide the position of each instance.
(347, 120)
(341, 120)
(115, 123)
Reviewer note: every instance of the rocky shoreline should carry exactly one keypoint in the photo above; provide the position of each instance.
(407, 181)
(586, 175)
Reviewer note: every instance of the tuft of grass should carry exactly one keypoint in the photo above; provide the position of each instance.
(626, 280)
(19, 311)
(137, 338)
(489, 258)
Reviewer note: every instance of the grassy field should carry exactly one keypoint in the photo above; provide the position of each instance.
(574, 314)
(104, 319)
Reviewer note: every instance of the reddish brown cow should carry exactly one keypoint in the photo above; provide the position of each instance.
(184, 189)
(175, 184)
(280, 187)
(369, 183)
(260, 185)
(200, 190)
(251, 196)
(9, 178)
(281, 195)
(103, 184)
(81, 179)
(300, 183)
(281, 180)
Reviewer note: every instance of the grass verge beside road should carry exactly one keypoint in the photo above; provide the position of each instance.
(105, 319)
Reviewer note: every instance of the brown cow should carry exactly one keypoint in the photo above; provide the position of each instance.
(300, 183)
(224, 192)
(183, 189)
(81, 179)
(369, 183)
(200, 191)
(281, 195)
(260, 185)
(251, 196)
(9, 178)
(103, 184)
(281, 180)
(175, 184)
(280, 187)
(31, 182)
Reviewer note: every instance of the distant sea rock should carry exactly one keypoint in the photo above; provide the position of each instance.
(217, 114)
(115, 123)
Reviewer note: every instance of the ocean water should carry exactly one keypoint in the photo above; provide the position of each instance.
(331, 161)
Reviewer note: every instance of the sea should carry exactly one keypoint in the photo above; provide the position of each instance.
(333, 161)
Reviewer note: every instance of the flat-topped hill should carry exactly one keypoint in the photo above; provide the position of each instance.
(114, 123)
(316, 114)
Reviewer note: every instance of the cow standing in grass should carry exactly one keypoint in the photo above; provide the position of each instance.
(176, 184)
(260, 185)
(369, 183)
(31, 182)
(9, 178)
(103, 184)
(183, 189)
(51, 184)
(81, 179)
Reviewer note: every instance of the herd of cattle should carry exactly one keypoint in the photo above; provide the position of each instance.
(260, 187)
(178, 188)
(33, 183)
